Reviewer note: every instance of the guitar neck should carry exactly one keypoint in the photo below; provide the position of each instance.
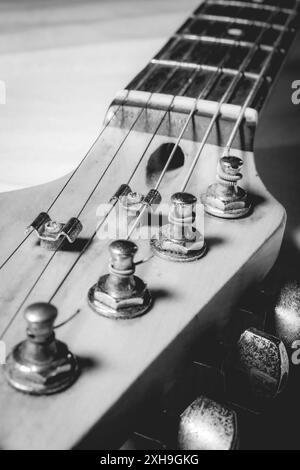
(221, 42)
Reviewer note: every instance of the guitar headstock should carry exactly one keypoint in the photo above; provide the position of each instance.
(157, 145)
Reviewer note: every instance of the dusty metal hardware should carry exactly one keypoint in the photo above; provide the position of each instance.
(287, 315)
(207, 425)
(262, 363)
(133, 201)
(40, 365)
(122, 191)
(51, 233)
(180, 240)
(120, 294)
(225, 198)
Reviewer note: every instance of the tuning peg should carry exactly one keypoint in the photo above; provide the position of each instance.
(225, 198)
(260, 363)
(180, 240)
(287, 314)
(208, 425)
(120, 294)
(41, 364)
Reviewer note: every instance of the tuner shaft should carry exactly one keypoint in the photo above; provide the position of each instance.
(120, 294)
(180, 240)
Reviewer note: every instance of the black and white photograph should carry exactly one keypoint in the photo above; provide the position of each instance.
(149, 228)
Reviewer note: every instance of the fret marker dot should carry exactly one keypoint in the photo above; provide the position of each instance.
(237, 32)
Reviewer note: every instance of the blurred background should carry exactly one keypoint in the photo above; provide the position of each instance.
(62, 62)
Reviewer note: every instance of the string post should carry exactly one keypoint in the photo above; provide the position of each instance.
(41, 365)
(225, 198)
(51, 233)
(180, 240)
(120, 294)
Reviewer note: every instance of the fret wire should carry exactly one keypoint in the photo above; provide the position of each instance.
(204, 93)
(108, 213)
(224, 41)
(228, 92)
(238, 21)
(104, 218)
(92, 237)
(209, 68)
(255, 6)
(255, 88)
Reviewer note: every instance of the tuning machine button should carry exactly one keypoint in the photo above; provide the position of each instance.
(41, 365)
(225, 198)
(208, 425)
(51, 233)
(120, 294)
(259, 365)
(287, 315)
(180, 240)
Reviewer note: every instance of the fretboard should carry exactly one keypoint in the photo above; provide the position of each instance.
(217, 38)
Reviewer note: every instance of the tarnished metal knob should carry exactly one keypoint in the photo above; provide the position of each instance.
(287, 315)
(41, 365)
(120, 294)
(180, 240)
(262, 363)
(225, 198)
(208, 425)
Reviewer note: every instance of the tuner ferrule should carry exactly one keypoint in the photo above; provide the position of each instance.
(180, 240)
(120, 294)
(41, 365)
(225, 198)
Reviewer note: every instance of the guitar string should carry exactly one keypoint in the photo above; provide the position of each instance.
(84, 158)
(159, 181)
(58, 247)
(107, 214)
(250, 97)
(229, 91)
(216, 116)
(257, 84)
(67, 182)
(204, 92)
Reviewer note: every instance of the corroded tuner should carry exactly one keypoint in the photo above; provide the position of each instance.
(287, 315)
(180, 240)
(40, 365)
(120, 294)
(225, 198)
(208, 425)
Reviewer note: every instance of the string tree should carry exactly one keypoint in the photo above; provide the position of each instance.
(225, 198)
(41, 364)
(180, 240)
(51, 233)
(120, 294)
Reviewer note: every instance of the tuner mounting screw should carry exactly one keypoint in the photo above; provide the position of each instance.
(41, 365)
(225, 198)
(180, 240)
(120, 294)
